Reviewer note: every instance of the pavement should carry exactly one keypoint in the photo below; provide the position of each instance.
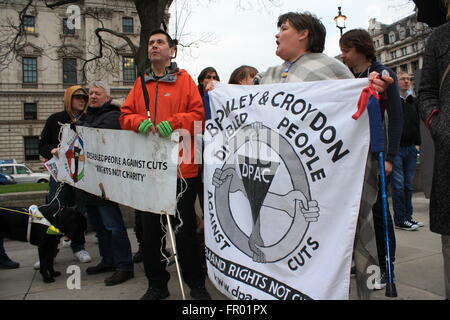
(418, 271)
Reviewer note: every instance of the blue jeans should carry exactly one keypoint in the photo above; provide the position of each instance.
(67, 199)
(402, 183)
(113, 242)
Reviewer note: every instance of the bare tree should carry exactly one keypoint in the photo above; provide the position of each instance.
(102, 51)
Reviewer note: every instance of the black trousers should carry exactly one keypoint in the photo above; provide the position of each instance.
(378, 222)
(138, 229)
(186, 242)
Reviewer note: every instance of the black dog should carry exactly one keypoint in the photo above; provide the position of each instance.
(69, 221)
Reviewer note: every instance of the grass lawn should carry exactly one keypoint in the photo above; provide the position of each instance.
(23, 187)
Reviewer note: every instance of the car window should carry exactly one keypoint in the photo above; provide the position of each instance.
(7, 169)
(21, 170)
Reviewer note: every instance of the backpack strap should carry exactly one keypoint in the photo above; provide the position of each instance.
(146, 98)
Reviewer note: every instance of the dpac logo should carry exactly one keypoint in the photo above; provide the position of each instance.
(274, 183)
(76, 159)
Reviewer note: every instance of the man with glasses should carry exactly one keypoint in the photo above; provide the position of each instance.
(405, 161)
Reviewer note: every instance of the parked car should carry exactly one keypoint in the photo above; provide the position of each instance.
(22, 174)
(6, 179)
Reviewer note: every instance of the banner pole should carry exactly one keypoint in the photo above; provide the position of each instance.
(175, 254)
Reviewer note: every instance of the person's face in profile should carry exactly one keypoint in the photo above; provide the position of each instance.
(288, 41)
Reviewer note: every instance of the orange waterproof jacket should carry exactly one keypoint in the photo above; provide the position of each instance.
(174, 98)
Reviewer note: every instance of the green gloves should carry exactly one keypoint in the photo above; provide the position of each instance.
(145, 126)
(164, 128)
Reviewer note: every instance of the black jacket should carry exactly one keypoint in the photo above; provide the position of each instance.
(49, 138)
(389, 101)
(105, 117)
(434, 96)
(411, 128)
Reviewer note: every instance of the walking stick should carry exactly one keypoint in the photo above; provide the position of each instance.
(391, 290)
(175, 254)
(369, 98)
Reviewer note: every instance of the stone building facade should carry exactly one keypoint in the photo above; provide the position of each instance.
(401, 44)
(50, 59)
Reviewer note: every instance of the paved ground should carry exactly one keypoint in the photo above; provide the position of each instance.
(419, 271)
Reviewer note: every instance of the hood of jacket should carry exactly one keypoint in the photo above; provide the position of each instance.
(68, 99)
(171, 75)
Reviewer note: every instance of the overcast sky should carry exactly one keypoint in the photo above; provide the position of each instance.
(247, 35)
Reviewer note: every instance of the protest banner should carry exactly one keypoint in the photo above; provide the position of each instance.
(122, 166)
(284, 170)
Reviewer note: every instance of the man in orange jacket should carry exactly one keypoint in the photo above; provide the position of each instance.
(173, 103)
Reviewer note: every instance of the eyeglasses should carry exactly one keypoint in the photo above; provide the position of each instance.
(404, 79)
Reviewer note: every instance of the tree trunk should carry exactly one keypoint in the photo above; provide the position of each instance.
(151, 15)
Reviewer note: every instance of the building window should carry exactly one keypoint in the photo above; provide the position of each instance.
(69, 71)
(404, 67)
(66, 29)
(29, 23)
(391, 37)
(29, 70)
(402, 33)
(414, 65)
(127, 25)
(404, 51)
(31, 144)
(129, 69)
(415, 47)
(393, 54)
(30, 111)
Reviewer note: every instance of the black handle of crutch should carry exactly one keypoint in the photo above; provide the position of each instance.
(391, 290)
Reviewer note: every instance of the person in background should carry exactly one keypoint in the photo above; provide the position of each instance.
(205, 77)
(358, 53)
(434, 109)
(243, 75)
(75, 104)
(405, 161)
(106, 216)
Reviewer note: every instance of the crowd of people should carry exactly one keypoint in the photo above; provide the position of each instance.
(300, 44)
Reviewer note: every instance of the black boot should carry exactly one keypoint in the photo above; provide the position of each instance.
(119, 277)
(7, 263)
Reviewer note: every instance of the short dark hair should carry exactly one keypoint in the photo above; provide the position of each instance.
(241, 73)
(307, 21)
(172, 43)
(361, 40)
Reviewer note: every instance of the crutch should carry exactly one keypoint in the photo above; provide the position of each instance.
(369, 98)
(391, 290)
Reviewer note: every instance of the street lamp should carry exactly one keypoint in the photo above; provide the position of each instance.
(340, 20)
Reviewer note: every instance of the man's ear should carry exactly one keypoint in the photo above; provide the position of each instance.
(173, 51)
